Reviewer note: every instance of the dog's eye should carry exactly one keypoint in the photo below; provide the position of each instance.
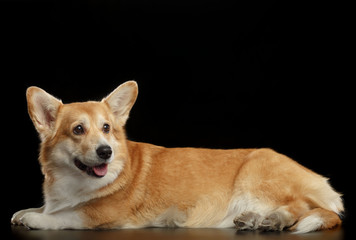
(78, 130)
(106, 128)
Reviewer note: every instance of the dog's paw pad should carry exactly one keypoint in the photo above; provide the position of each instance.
(271, 223)
(247, 221)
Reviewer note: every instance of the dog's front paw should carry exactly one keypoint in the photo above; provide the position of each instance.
(33, 220)
(17, 216)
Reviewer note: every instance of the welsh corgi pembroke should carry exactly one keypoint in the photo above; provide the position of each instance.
(94, 178)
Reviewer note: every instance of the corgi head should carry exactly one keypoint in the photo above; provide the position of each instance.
(84, 139)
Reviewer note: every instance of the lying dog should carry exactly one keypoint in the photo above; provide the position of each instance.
(97, 179)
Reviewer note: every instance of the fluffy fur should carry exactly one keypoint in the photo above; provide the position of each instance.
(135, 185)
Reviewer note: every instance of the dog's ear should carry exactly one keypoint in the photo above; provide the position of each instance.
(43, 109)
(121, 100)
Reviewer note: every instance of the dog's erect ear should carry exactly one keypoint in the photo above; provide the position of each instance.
(43, 109)
(121, 100)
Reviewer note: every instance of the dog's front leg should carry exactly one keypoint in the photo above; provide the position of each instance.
(59, 220)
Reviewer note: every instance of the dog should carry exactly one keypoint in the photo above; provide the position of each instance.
(94, 178)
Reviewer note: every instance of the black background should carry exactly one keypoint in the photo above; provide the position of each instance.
(217, 74)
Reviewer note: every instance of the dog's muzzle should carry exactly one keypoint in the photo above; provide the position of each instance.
(104, 153)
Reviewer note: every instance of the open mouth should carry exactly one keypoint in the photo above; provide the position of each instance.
(96, 171)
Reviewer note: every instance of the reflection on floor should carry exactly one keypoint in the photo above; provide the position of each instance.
(171, 234)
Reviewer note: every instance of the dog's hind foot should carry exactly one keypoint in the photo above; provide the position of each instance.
(247, 221)
(275, 221)
(272, 222)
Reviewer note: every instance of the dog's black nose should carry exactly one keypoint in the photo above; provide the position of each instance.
(104, 152)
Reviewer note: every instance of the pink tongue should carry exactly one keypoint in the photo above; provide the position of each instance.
(101, 170)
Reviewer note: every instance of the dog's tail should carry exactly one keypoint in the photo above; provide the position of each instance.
(325, 213)
(316, 219)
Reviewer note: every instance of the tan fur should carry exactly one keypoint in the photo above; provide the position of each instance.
(162, 178)
(186, 187)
